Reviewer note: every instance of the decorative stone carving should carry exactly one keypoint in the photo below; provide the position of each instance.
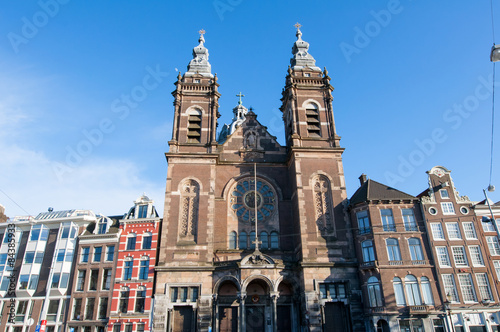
(323, 204)
(188, 223)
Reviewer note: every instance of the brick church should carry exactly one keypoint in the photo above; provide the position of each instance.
(255, 236)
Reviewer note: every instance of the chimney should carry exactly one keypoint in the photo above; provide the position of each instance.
(362, 178)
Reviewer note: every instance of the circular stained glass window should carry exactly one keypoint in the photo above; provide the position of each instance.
(245, 197)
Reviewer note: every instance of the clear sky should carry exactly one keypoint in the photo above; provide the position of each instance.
(412, 90)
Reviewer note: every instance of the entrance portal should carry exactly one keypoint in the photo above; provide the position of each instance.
(183, 319)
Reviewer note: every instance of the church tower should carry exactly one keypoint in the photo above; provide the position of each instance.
(196, 105)
(254, 234)
(324, 243)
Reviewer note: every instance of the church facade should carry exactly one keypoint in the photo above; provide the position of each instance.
(255, 235)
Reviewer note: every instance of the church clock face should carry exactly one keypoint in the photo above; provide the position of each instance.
(244, 198)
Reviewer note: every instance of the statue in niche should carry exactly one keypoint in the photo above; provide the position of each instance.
(251, 141)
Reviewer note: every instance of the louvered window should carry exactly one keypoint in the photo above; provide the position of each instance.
(312, 118)
(194, 127)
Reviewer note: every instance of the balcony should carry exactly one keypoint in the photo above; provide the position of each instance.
(419, 262)
(418, 309)
(369, 265)
(395, 262)
(377, 310)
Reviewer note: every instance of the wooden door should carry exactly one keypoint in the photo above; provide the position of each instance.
(183, 319)
(336, 317)
(228, 319)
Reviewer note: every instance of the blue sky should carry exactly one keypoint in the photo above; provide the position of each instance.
(412, 90)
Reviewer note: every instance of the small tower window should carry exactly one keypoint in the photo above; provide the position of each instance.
(312, 118)
(194, 127)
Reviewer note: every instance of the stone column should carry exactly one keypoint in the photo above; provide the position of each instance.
(274, 299)
(242, 297)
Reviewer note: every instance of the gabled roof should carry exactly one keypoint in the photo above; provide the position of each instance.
(373, 190)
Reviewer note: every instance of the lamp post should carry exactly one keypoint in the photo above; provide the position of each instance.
(447, 306)
(491, 188)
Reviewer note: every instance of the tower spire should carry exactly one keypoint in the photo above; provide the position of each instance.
(200, 64)
(301, 58)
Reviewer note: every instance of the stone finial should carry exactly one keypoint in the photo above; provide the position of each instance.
(200, 64)
(301, 58)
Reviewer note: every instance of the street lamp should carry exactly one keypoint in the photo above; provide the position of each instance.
(447, 306)
(491, 188)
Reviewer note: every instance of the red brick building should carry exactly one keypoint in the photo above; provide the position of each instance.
(132, 303)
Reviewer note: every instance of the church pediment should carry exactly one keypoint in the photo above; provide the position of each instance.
(252, 142)
(257, 259)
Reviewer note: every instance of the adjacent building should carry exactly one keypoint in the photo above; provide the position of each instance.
(93, 275)
(464, 252)
(37, 286)
(396, 272)
(132, 290)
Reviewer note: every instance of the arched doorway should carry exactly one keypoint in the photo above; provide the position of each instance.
(382, 326)
(258, 307)
(284, 308)
(227, 307)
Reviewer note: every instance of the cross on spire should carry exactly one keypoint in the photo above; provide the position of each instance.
(240, 95)
(298, 25)
(201, 32)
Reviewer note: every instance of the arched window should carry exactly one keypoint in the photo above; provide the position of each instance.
(368, 253)
(313, 123)
(147, 239)
(393, 250)
(415, 249)
(102, 225)
(264, 239)
(243, 240)
(412, 290)
(252, 240)
(398, 291)
(131, 239)
(194, 126)
(323, 204)
(275, 241)
(190, 191)
(426, 290)
(232, 240)
(374, 295)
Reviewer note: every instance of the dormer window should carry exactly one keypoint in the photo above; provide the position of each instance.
(312, 118)
(143, 211)
(194, 127)
(196, 80)
(102, 226)
(307, 75)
